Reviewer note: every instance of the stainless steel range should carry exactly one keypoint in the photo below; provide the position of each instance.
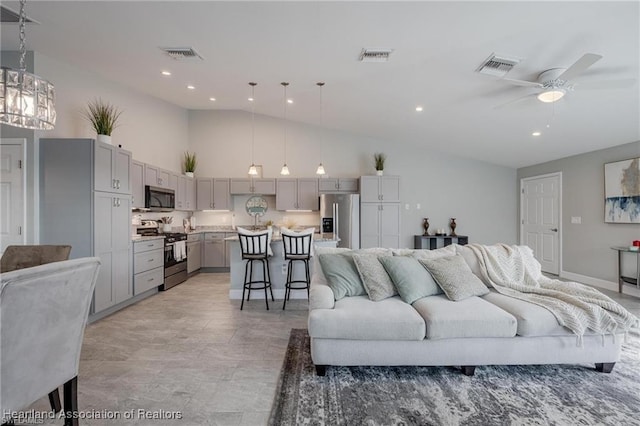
(175, 253)
(175, 260)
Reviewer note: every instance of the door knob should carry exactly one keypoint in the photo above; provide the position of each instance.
(554, 229)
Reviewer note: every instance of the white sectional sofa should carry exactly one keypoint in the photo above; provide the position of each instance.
(434, 331)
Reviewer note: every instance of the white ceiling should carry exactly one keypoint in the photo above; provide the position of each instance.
(437, 47)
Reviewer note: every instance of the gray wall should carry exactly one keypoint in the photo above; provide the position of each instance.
(586, 248)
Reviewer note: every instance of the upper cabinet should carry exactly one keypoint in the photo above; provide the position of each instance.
(137, 184)
(332, 185)
(186, 194)
(112, 172)
(155, 176)
(253, 186)
(380, 189)
(297, 194)
(212, 194)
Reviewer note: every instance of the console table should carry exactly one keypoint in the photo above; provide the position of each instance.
(432, 242)
(621, 278)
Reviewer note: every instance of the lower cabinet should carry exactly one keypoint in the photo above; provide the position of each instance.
(148, 265)
(194, 252)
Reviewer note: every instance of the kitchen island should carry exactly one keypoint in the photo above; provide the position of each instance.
(277, 268)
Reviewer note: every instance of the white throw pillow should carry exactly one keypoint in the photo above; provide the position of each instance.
(247, 232)
(304, 233)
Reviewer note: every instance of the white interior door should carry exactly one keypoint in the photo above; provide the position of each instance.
(540, 219)
(11, 195)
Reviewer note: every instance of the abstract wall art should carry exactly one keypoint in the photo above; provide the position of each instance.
(622, 191)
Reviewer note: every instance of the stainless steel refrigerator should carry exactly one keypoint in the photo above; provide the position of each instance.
(340, 216)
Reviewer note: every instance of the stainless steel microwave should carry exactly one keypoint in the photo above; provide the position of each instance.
(159, 199)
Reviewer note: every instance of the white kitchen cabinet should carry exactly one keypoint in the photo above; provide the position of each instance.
(137, 184)
(227, 249)
(253, 186)
(380, 189)
(155, 176)
(148, 265)
(380, 225)
(333, 185)
(212, 194)
(297, 194)
(112, 171)
(194, 252)
(186, 194)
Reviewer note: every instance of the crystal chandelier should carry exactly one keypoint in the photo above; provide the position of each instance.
(253, 170)
(26, 100)
(285, 170)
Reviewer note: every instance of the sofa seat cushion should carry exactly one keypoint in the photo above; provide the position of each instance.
(471, 317)
(533, 320)
(359, 318)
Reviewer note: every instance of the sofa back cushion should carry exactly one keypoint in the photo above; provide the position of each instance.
(455, 278)
(342, 275)
(375, 279)
(410, 278)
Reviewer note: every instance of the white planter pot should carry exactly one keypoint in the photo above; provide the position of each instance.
(379, 172)
(166, 227)
(188, 174)
(104, 139)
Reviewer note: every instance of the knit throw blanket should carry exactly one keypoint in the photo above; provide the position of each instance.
(514, 272)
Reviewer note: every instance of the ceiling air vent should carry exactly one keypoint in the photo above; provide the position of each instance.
(498, 66)
(181, 53)
(375, 55)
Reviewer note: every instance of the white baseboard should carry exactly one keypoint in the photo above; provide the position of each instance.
(597, 282)
(278, 294)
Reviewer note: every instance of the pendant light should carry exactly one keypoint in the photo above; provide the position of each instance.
(320, 170)
(26, 100)
(253, 171)
(285, 169)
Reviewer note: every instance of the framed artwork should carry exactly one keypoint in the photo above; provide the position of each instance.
(622, 191)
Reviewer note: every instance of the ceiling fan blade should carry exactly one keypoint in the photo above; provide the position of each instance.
(516, 100)
(579, 66)
(522, 82)
(605, 84)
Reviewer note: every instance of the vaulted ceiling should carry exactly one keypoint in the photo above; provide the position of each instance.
(437, 47)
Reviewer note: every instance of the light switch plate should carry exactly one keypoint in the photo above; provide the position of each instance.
(418, 206)
(576, 220)
(406, 206)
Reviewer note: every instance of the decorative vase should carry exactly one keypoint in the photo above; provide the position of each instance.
(104, 139)
(379, 172)
(425, 226)
(188, 174)
(166, 228)
(453, 225)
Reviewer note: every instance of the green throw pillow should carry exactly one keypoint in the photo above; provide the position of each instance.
(411, 279)
(455, 278)
(342, 275)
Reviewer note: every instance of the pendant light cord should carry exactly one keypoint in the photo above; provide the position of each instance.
(253, 120)
(284, 84)
(321, 84)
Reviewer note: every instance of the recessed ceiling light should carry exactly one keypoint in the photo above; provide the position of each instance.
(419, 108)
(289, 101)
(250, 99)
(166, 72)
(212, 99)
(536, 134)
(191, 87)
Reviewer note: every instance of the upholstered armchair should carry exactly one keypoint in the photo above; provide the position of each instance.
(43, 314)
(19, 257)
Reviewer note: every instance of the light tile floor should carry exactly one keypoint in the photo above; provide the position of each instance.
(192, 350)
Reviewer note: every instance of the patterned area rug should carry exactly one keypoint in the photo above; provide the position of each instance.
(495, 395)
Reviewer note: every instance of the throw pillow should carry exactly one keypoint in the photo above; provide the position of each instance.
(449, 250)
(374, 277)
(410, 278)
(342, 275)
(455, 278)
(256, 250)
(306, 234)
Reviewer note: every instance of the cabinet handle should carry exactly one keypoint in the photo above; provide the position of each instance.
(118, 183)
(113, 183)
(149, 245)
(149, 280)
(382, 197)
(337, 185)
(115, 202)
(150, 260)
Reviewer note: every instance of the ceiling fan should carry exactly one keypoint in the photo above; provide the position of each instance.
(554, 83)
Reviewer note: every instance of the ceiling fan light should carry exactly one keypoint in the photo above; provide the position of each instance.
(551, 95)
(320, 170)
(253, 171)
(284, 171)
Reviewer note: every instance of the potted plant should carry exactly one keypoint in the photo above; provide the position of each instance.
(379, 159)
(103, 117)
(190, 163)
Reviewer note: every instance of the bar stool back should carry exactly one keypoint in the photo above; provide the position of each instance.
(255, 248)
(297, 248)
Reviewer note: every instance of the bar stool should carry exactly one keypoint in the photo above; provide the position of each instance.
(297, 248)
(255, 248)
